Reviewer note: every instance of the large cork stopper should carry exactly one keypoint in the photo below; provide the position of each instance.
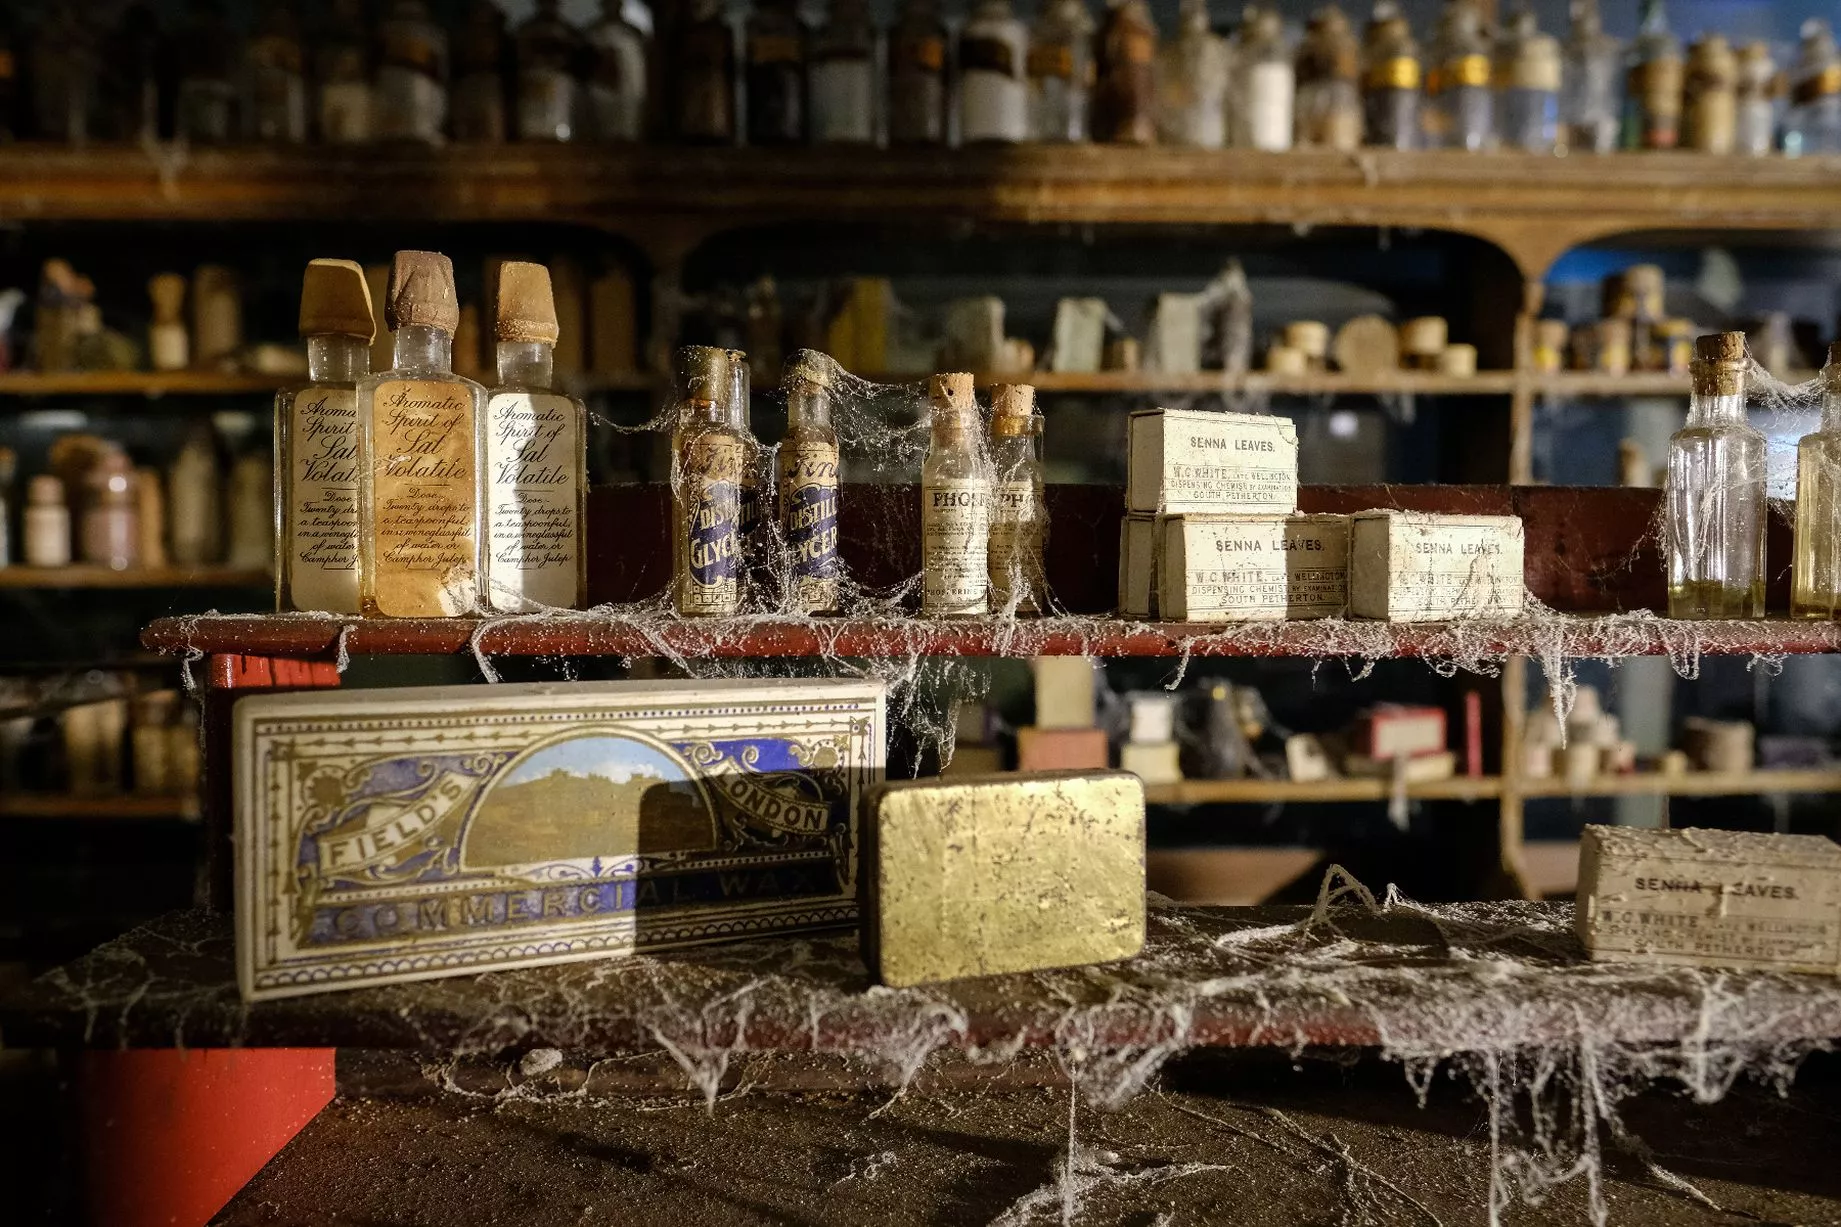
(951, 390)
(335, 301)
(1013, 409)
(1720, 362)
(527, 308)
(422, 292)
(703, 373)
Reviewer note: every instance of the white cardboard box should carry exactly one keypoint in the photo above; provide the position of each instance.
(1216, 568)
(1409, 566)
(1194, 460)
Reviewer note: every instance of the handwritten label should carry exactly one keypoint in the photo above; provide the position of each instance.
(423, 499)
(320, 550)
(808, 518)
(955, 543)
(533, 502)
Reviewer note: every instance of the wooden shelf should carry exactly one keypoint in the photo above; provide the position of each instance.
(88, 576)
(1324, 383)
(128, 805)
(1592, 384)
(1467, 788)
(138, 383)
(1690, 784)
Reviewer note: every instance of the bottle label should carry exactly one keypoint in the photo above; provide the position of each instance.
(955, 542)
(808, 512)
(534, 450)
(1052, 60)
(408, 49)
(1819, 85)
(1017, 540)
(320, 517)
(927, 54)
(709, 544)
(987, 55)
(424, 499)
(1270, 88)
(1465, 70)
(1398, 72)
(773, 49)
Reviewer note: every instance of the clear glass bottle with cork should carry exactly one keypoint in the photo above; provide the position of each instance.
(1591, 105)
(1329, 98)
(317, 445)
(1815, 570)
(617, 75)
(1060, 72)
(1653, 83)
(1813, 122)
(1460, 105)
(843, 74)
(1265, 96)
(1714, 492)
(707, 457)
(1390, 80)
(955, 505)
(993, 86)
(550, 52)
(806, 466)
(418, 472)
(1124, 85)
(533, 474)
(1019, 514)
(756, 482)
(1528, 78)
(1192, 79)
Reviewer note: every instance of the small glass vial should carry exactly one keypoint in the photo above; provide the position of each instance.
(1710, 98)
(418, 471)
(617, 56)
(707, 458)
(1815, 571)
(955, 505)
(275, 79)
(1390, 80)
(1528, 76)
(1813, 122)
(63, 78)
(550, 53)
(1760, 88)
(412, 74)
(1329, 101)
(1460, 105)
(342, 74)
(776, 74)
(993, 89)
(207, 106)
(46, 523)
(316, 445)
(844, 81)
(1263, 109)
(1124, 86)
(1192, 79)
(917, 75)
(1019, 515)
(755, 488)
(482, 54)
(1060, 72)
(701, 78)
(1715, 492)
(1653, 83)
(806, 468)
(533, 472)
(1591, 103)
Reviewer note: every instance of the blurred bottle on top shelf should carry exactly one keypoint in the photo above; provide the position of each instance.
(482, 55)
(1592, 105)
(1813, 122)
(776, 74)
(169, 345)
(136, 79)
(1528, 74)
(550, 57)
(1390, 80)
(208, 71)
(194, 499)
(1715, 506)
(1060, 72)
(1815, 572)
(993, 86)
(275, 78)
(45, 523)
(9, 505)
(1653, 83)
(64, 77)
(411, 100)
(1710, 100)
(1124, 86)
(700, 77)
(917, 75)
(217, 317)
(1760, 91)
(1263, 106)
(1460, 106)
(110, 534)
(1329, 99)
(617, 69)
(12, 101)
(1192, 74)
(342, 74)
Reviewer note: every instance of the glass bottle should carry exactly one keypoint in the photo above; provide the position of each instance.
(706, 468)
(45, 523)
(275, 79)
(617, 66)
(1459, 109)
(410, 103)
(1060, 71)
(109, 533)
(1019, 515)
(207, 106)
(1760, 86)
(1264, 108)
(316, 445)
(482, 56)
(1124, 86)
(135, 82)
(1710, 99)
(1813, 122)
(1815, 570)
(755, 488)
(701, 77)
(1192, 79)
(806, 466)
(63, 78)
(1591, 105)
(955, 505)
(11, 103)
(550, 56)
(776, 74)
(993, 89)
(418, 471)
(1329, 100)
(917, 75)
(534, 469)
(1652, 84)
(1390, 86)
(1715, 492)
(1528, 76)
(342, 75)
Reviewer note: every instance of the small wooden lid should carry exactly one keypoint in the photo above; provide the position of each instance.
(422, 292)
(952, 388)
(527, 308)
(335, 301)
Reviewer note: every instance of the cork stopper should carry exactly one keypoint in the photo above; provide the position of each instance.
(703, 373)
(1013, 409)
(422, 292)
(951, 390)
(335, 301)
(1720, 363)
(527, 309)
(808, 366)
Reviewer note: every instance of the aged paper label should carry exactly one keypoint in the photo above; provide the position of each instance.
(1409, 566)
(955, 544)
(1254, 568)
(322, 510)
(1018, 535)
(424, 499)
(708, 539)
(1192, 460)
(533, 502)
(808, 518)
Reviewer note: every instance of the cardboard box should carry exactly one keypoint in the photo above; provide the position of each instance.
(391, 835)
(1419, 769)
(1696, 898)
(1392, 729)
(1138, 566)
(1241, 568)
(1064, 691)
(1040, 749)
(1152, 762)
(1008, 873)
(1195, 460)
(1407, 566)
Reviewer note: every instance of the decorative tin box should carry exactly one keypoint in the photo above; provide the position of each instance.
(389, 835)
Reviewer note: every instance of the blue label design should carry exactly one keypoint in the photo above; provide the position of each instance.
(715, 536)
(811, 531)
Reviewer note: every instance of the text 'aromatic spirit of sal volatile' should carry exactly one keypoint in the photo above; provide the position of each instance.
(1019, 517)
(707, 458)
(418, 493)
(316, 445)
(806, 466)
(532, 479)
(1715, 492)
(1815, 576)
(955, 505)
